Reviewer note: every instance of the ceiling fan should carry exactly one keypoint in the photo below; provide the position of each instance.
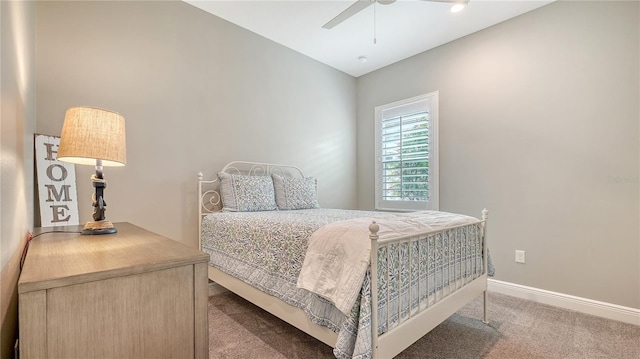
(360, 5)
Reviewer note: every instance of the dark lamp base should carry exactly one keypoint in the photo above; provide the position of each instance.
(99, 227)
(90, 231)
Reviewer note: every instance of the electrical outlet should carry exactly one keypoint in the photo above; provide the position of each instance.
(519, 256)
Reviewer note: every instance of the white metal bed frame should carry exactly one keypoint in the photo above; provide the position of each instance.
(386, 345)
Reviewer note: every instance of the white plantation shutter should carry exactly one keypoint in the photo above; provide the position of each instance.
(405, 157)
(406, 164)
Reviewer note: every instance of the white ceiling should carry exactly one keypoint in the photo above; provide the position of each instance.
(402, 29)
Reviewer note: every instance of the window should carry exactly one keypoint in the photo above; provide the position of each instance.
(407, 154)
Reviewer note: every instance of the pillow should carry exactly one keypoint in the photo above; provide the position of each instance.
(242, 193)
(295, 193)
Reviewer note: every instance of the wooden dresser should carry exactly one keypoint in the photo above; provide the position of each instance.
(133, 294)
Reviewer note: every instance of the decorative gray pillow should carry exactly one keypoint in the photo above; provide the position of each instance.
(295, 193)
(241, 193)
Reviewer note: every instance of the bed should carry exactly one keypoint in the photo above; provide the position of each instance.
(271, 243)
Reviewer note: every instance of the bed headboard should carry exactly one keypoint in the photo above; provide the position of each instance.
(209, 200)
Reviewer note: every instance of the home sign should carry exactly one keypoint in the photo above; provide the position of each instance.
(56, 184)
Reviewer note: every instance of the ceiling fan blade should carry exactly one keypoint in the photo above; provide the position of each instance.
(348, 12)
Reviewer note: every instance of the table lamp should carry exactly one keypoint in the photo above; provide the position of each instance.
(93, 136)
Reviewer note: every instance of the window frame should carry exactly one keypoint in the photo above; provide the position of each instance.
(433, 203)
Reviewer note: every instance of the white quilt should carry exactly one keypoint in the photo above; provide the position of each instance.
(338, 254)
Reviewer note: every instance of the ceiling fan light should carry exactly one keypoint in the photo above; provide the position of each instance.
(457, 7)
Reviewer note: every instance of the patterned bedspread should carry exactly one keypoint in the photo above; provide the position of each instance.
(267, 249)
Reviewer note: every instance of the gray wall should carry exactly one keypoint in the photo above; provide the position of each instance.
(17, 125)
(196, 93)
(538, 123)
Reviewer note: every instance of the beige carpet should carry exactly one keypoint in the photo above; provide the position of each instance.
(517, 329)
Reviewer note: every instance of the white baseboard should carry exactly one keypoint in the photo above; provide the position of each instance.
(566, 301)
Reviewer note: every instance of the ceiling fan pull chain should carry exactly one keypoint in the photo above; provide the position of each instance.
(374, 23)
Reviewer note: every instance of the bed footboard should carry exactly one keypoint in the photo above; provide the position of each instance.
(440, 272)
